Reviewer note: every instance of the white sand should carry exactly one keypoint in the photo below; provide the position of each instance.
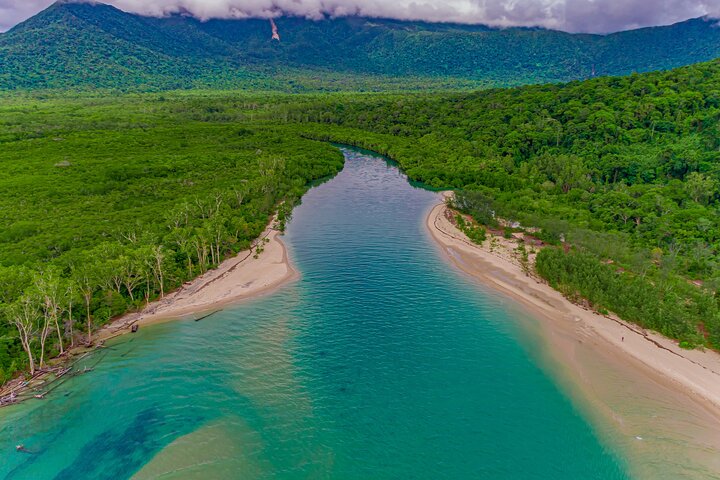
(695, 370)
(638, 382)
(239, 278)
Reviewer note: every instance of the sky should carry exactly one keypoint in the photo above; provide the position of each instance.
(590, 16)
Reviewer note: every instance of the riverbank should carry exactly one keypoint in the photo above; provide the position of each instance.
(249, 274)
(602, 355)
(239, 278)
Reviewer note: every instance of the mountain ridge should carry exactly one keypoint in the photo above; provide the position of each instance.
(95, 45)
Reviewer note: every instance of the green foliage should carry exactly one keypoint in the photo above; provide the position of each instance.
(524, 258)
(475, 233)
(700, 187)
(109, 203)
(669, 306)
(129, 196)
(625, 169)
(476, 204)
(87, 45)
(619, 166)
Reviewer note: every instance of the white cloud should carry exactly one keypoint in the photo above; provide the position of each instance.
(14, 11)
(571, 15)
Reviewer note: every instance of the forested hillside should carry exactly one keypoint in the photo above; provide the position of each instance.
(90, 45)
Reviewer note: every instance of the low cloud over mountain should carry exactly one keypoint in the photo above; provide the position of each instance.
(597, 16)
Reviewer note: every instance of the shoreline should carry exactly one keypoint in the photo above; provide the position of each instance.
(602, 360)
(239, 278)
(236, 279)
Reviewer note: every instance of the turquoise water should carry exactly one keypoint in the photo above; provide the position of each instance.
(381, 362)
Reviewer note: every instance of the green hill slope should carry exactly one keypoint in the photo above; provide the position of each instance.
(95, 45)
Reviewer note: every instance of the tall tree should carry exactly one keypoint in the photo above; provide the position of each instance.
(23, 314)
(47, 287)
(87, 278)
(69, 298)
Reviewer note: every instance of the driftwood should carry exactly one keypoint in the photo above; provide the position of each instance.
(26, 390)
(206, 316)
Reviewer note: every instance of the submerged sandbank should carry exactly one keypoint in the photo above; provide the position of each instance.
(654, 398)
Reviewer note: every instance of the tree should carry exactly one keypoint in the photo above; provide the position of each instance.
(157, 265)
(181, 237)
(566, 171)
(23, 315)
(522, 256)
(215, 230)
(700, 187)
(69, 297)
(476, 204)
(130, 271)
(47, 288)
(13, 282)
(86, 277)
(200, 243)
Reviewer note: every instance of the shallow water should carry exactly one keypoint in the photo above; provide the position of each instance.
(380, 362)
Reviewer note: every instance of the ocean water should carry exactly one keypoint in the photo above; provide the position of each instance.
(380, 362)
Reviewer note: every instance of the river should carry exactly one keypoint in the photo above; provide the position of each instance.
(379, 362)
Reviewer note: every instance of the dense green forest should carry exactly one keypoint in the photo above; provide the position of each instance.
(110, 201)
(626, 170)
(88, 45)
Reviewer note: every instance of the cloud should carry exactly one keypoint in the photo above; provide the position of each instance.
(14, 11)
(596, 16)
(607, 16)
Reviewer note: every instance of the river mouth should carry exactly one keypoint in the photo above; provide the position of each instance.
(379, 362)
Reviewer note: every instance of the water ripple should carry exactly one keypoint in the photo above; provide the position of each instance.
(379, 363)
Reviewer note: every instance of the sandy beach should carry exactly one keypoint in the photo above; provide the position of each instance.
(239, 278)
(643, 382)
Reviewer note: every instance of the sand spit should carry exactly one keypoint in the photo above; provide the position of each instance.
(239, 278)
(656, 400)
(249, 274)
